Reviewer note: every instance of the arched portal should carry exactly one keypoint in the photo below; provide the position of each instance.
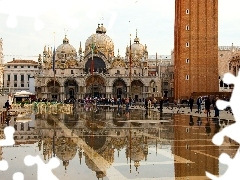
(71, 89)
(95, 86)
(153, 88)
(137, 89)
(119, 88)
(53, 89)
(98, 65)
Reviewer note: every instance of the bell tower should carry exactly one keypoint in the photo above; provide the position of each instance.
(195, 47)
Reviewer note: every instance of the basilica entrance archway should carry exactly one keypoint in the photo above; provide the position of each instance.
(137, 89)
(71, 89)
(119, 88)
(95, 86)
(53, 90)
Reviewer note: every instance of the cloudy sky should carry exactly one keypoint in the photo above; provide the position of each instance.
(28, 25)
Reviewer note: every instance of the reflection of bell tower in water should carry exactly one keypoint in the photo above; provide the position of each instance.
(195, 47)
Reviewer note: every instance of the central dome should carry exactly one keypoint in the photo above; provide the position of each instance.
(102, 43)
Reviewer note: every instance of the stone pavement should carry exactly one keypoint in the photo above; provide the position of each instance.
(186, 110)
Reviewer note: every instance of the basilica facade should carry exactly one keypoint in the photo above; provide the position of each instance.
(95, 71)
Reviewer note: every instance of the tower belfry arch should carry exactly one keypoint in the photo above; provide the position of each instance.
(195, 47)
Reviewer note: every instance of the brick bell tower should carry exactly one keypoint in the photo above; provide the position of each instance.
(195, 47)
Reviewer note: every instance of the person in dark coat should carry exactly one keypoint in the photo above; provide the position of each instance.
(199, 103)
(207, 106)
(7, 105)
(161, 104)
(146, 104)
(216, 110)
(190, 102)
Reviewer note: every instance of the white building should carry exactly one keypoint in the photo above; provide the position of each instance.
(17, 74)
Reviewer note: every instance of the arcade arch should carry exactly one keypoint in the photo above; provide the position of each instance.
(95, 86)
(53, 89)
(137, 89)
(71, 89)
(119, 89)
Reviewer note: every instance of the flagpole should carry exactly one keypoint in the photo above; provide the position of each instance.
(92, 63)
(54, 81)
(130, 63)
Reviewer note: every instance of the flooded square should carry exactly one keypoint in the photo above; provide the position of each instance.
(110, 143)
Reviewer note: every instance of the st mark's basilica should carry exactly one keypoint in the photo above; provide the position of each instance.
(96, 71)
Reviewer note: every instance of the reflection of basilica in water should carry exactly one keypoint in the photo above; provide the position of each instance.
(110, 76)
(105, 131)
(100, 139)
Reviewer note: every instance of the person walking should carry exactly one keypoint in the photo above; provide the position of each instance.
(7, 105)
(190, 102)
(216, 110)
(161, 105)
(207, 106)
(199, 102)
(127, 104)
(146, 103)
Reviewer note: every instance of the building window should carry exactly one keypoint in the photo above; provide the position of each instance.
(187, 27)
(15, 85)
(15, 66)
(135, 72)
(8, 77)
(22, 77)
(154, 89)
(8, 66)
(118, 72)
(187, 44)
(187, 60)
(187, 11)
(71, 71)
(187, 77)
(15, 77)
(28, 76)
(28, 66)
(22, 66)
(22, 85)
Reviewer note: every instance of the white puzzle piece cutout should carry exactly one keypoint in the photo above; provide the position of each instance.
(8, 141)
(231, 131)
(44, 170)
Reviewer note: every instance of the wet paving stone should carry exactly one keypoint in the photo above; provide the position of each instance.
(111, 144)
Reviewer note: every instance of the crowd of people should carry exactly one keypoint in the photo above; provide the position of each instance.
(207, 103)
(204, 104)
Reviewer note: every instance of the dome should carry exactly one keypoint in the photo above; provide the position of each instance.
(65, 51)
(102, 42)
(66, 149)
(137, 50)
(136, 47)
